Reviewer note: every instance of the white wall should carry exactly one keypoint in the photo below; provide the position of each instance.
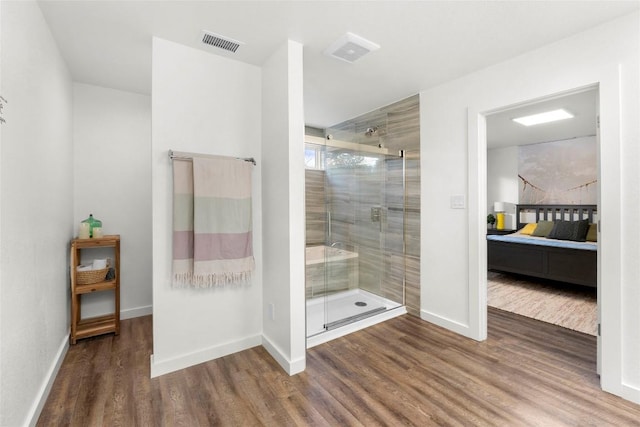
(284, 215)
(201, 103)
(112, 146)
(452, 287)
(36, 202)
(503, 183)
(502, 180)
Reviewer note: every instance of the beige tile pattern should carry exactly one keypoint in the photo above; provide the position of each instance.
(398, 128)
(327, 278)
(314, 206)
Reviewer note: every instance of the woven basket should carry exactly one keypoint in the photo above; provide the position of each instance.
(91, 276)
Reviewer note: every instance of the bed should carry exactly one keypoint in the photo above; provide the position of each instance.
(565, 261)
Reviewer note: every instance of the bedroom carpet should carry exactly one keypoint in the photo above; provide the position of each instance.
(569, 306)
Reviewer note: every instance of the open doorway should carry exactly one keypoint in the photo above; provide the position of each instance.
(551, 169)
(609, 272)
(478, 236)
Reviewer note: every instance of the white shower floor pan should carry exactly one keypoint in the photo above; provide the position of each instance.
(341, 306)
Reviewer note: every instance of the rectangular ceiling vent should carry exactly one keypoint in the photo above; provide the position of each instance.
(221, 42)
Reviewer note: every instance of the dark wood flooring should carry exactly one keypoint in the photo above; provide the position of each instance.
(401, 372)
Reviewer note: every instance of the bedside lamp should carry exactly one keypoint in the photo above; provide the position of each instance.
(499, 209)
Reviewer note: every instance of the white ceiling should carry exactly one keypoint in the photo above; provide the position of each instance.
(502, 131)
(423, 43)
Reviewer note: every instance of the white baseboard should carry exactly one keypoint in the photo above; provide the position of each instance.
(297, 366)
(291, 367)
(47, 383)
(130, 313)
(184, 361)
(631, 393)
(452, 325)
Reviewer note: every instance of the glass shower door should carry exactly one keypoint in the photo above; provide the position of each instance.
(362, 227)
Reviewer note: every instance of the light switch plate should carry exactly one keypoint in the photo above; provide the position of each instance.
(458, 201)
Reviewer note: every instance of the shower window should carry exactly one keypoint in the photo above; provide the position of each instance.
(347, 159)
(313, 156)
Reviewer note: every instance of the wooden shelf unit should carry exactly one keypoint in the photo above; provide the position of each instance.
(84, 328)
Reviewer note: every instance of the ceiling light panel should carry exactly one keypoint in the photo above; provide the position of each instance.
(546, 117)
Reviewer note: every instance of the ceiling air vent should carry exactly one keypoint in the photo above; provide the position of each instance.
(350, 48)
(221, 42)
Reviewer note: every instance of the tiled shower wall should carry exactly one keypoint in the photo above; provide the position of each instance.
(314, 206)
(353, 191)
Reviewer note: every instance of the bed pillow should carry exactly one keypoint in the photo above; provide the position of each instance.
(543, 229)
(528, 229)
(592, 233)
(580, 229)
(570, 230)
(562, 230)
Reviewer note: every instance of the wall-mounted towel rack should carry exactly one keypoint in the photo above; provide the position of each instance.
(179, 155)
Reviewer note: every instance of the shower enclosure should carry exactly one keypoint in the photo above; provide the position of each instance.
(355, 248)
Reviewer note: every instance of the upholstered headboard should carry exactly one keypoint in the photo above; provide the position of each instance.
(554, 213)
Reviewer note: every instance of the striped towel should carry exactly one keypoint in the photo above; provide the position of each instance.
(212, 233)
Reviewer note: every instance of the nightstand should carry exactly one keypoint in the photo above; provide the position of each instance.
(500, 232)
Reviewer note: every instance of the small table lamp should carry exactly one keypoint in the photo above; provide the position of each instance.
(498, 208)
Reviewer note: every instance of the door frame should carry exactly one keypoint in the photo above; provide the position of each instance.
(609, 214)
